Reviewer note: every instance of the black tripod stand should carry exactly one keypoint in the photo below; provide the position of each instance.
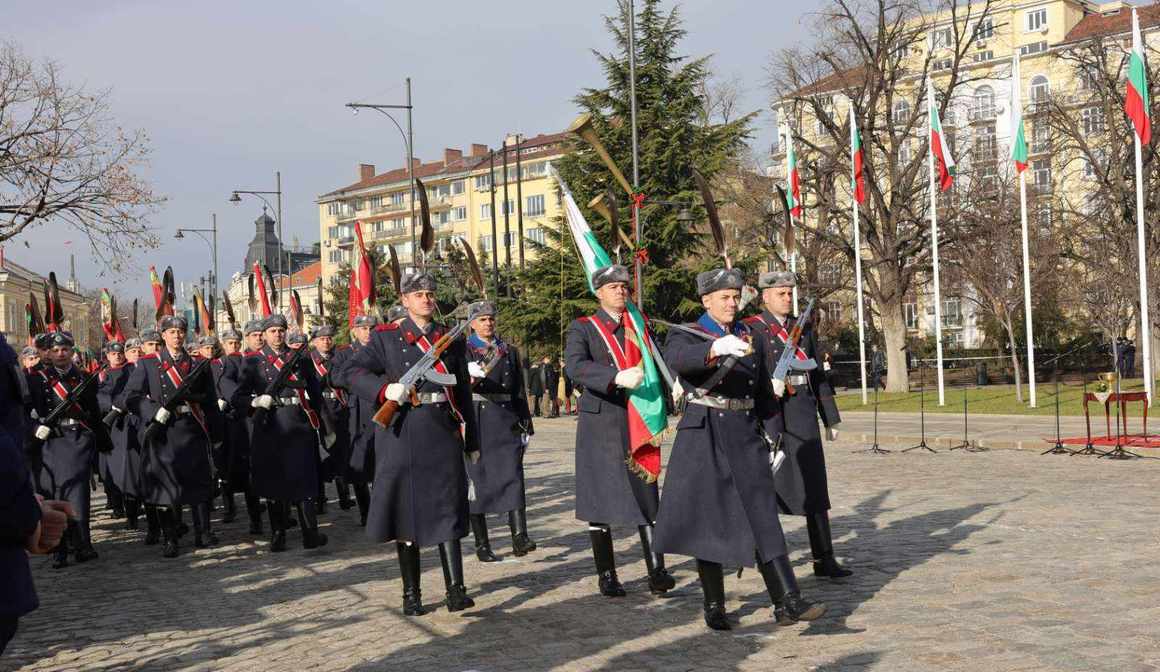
(874, 448)
(1089, 448)
(967, 444)
(1059, 448)
(1119, 452)
(921, 412)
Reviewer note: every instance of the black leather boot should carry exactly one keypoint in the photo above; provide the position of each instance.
(451, 556)
(320, 500)
(521, 543)
(479, 531)
(169, 532)
(409, 571)
(362, 495)
(181, 527)
(132, 512)
(822, 547)
(254, 511)
(60, 556)
(789, 606)
(152, 525)
(659, 579)
(203, 535)
(278, 518)
(311, 537)
(602, 554)
(230, 507)
(713, 586)
(343, 488)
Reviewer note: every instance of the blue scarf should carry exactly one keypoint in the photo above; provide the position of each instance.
(710, 325)
(476, 343)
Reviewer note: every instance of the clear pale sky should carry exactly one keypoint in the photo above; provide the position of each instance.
(230, 92)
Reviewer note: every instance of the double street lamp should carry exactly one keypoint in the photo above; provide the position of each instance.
(408, 143)
(213, 247)
(235, 198)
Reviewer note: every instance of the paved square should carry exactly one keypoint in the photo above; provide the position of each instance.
(992, 561)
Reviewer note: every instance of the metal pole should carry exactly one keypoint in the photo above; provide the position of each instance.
(858, 264)
(1145, 327)
(520, 200)
(636, 268)
(507, 247)
(411, 171)
(281, 242)
(1017, 114)
(494, 233)
(214, 284)
(934, 252)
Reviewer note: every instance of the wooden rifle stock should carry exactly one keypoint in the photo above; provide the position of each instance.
(387, 411)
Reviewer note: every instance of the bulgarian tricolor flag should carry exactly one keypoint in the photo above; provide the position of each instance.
(646, 405)
(794, 193)
(158, 288)
(857, 158)
(361, 295)
(1019, 140)
(938, 145)
(1137, 103)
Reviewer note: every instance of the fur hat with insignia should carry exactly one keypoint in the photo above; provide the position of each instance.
(416, 282)
(718, 279)
(252, 327)
(607, 274)
(480, 309)
(173, 322)
(366, 321)
(776, 279)
(274, 322)
(322, 330)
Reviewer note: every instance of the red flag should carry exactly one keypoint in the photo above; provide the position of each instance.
(365, 274)
(158, 289)
(262, 290)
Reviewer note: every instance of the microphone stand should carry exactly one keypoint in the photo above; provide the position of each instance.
(1059, 448)
(967, 444)
(921, 412)
(875, 449)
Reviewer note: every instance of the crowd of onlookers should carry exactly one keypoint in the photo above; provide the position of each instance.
(550, 388)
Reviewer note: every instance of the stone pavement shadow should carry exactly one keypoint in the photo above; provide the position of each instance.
(883, 553)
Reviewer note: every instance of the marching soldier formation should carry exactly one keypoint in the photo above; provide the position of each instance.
(424, 425)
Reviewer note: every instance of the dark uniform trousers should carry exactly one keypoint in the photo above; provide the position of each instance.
(359, 466)
(420, 484)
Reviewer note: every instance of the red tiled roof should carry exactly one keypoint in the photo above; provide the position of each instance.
(303, 278)
(1120, 23)
(531, 146)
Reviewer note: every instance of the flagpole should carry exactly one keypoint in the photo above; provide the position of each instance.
(1145, 331)
(858, 261)
(793, 267)
(1017, 113)
(934, 249)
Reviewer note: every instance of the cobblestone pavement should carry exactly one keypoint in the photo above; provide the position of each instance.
(992, 561)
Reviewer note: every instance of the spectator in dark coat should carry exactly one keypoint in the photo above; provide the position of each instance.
(536, 376)
(551, 380)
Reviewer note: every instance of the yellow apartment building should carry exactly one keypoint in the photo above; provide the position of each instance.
(461, 191)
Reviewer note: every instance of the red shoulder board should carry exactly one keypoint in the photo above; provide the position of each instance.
(753, 320)
(344, 347)
(152, 355)
(389, 326)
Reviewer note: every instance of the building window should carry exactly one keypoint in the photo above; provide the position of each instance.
(485, 211)
(952, 313)
(376, 202)
(508, 207)
(1093, 120)
(1040, 138)
(443, 190)
(537, 169)
(1086, 77)
(457, 187)
(985, 30)
(535, 206)
(900, 113)
(360, 204)
(910, 314)
(1042, 170)
(942, 64)
(1043, 219)
(486, 243)
(1033, 48)
(942, 38)
(332, 208)
(442, 218)
(904, 152)
(983, 103)
(983, 56)
(335, 256)
(828, 274)
(1036, 20)
(398, 198)
(1040, 89)
(833, 311)
(535, 235)
(986, 151)
(459, 214)
(483, 181)
(332, 232)
(1097, 160)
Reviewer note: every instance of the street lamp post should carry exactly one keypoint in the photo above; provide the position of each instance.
(408, 142)
(235, 198)
(213, 246)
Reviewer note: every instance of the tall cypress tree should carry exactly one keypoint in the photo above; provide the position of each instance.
(673, 139)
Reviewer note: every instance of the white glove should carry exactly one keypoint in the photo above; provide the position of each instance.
(629, 379)
(524, 440)
(832, 433)
(826, 365)
(729, 346)
(263, 401)
(42, 432)
(778, 387)
(396, 392)
(476, 370)
(222, 405)
(162, 416)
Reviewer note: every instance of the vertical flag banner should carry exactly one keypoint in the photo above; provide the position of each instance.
(793, 175)
(646, 405)
(158, 288)
(1137, 102)
(857, 158)
(1018, 139)
(262, 289)
(938, 144)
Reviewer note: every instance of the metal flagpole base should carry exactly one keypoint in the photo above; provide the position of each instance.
(1120, 453)
(1089, 449)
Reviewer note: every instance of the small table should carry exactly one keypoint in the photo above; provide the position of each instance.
(1120, 397)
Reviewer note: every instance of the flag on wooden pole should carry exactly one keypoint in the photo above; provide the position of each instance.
(793, 176)
(857, 158)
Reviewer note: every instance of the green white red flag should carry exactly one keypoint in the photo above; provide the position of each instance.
(647, 419)
(361, 295)
(1137, 102)
(794, 193)
(938, 143)
(1018, 139)
(857, 158)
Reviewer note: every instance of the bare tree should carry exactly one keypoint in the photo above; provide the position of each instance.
(64, 161)
(875, 53)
